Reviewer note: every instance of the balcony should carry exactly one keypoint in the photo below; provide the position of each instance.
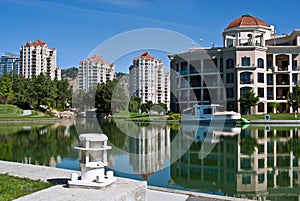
(282, 68)
(282, 82)
(246, 81)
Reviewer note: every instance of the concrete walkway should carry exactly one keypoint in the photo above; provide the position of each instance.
(26, 112)
(281, 122)
(123, 189)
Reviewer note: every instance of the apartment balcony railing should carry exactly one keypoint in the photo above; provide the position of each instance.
(282, 82)
(282, 68)
(280, 97)
(246, 81)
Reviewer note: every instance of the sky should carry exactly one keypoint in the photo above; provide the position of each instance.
(75, 28)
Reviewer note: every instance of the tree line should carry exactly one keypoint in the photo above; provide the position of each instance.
(34, 93)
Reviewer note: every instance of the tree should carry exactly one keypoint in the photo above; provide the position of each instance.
(294, 98)
(6, 91)
(103, 96)
(274, 106)
(134, 104)
(247, 100)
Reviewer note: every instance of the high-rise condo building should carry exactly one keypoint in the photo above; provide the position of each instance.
(94, 70)
(36, 58)
(147, 79)
(9, 62)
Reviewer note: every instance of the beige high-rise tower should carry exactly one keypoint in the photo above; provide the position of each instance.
(36, 58)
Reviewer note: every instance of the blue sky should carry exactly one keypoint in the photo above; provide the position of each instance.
(77, 27)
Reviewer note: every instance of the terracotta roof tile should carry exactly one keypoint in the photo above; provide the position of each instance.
(247, 20)
(97, 58)
(37, 43)
(145, 55)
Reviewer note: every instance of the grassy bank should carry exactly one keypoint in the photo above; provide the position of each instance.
(140, 117)
(13, 113)
(13, 187)
(273, 117)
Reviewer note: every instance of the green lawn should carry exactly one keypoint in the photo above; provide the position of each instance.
(14, 187)
(138, 117)
(11, 112)
(272, 117)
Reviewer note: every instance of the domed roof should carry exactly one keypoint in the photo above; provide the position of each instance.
(247, 20)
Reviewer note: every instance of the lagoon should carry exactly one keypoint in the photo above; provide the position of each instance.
(256, 162)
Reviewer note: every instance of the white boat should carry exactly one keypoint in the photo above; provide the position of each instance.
(208, 114)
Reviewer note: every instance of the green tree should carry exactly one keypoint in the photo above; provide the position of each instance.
(247, 100)
(294, 98)
(134, 104)
(103, 96)
(6, 91)
(274, 106)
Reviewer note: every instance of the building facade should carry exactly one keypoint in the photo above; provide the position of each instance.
(9, 62)
(253, 57)
(94, 70)
(147, 79)
(36, 58)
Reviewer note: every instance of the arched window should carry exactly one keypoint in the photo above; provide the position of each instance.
(229, 63)
(261, 107)
(260, 63)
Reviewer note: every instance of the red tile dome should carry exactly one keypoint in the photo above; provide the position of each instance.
(247, 20)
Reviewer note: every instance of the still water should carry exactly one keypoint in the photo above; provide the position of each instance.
(257, 162)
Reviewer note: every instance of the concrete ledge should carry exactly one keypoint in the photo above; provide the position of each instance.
(194, 196)
(122, 189)
(296, 122)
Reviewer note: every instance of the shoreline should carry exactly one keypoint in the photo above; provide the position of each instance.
(30, 121)
(127, 186)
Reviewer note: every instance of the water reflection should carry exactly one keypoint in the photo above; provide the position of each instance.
(260, 163)
(38, 143)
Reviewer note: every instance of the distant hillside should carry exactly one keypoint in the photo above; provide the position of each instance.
(119, 75)
(69, 72)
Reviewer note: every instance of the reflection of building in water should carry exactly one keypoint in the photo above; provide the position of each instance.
(149, 150)
(273, 170)
(256, 164)
(208, 174)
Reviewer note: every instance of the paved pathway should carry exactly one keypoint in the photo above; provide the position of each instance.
(26, 112)
(123, 189)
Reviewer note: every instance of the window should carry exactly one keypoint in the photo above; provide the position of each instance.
(229, 93)
(229, 63)
(261, 163)
(260, 92)
(260, 78)
(246, 180)
(294, 78)
(261, 178)
(260, 63)
(246, 163)
(229, 78)
(207, 111)
(246, 78)
(261, 107)
(230, 177)
(246, 61)
(269, 79)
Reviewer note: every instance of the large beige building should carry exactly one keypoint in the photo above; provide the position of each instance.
(147, 79)
(94, 70)
(36, 58)
(253, 57)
